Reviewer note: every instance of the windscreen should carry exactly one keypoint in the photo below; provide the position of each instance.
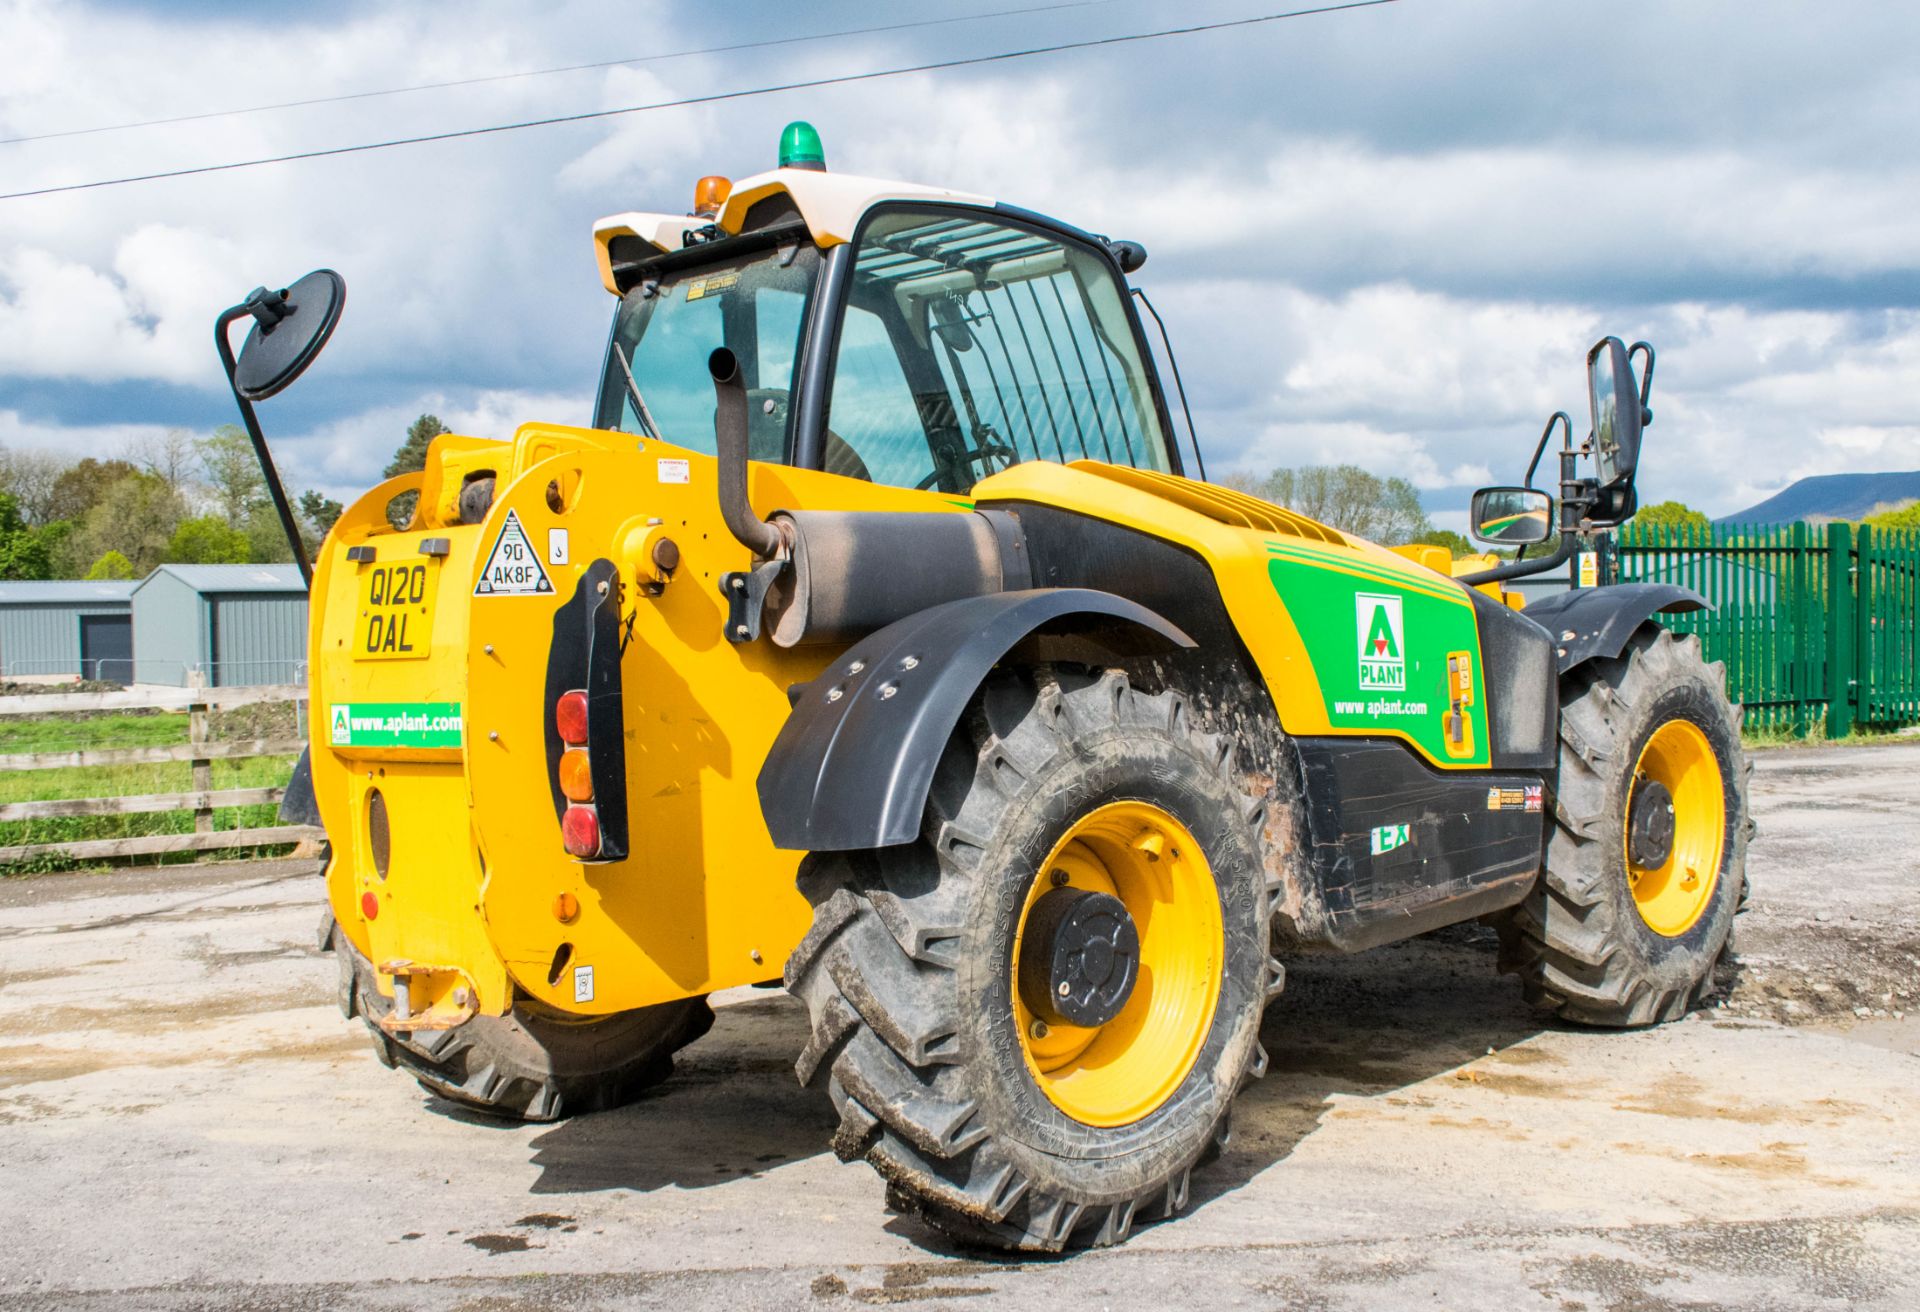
(656, 382)
(968, 344)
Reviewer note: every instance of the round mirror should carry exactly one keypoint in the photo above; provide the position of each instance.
(289, 329)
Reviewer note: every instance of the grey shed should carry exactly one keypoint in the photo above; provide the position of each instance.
(237, 624)
(67, 627)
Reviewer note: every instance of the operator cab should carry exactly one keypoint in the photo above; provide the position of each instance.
(941, 339)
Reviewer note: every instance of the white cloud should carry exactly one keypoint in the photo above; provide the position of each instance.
(74, 441)
(1374, 237)
(344, 457)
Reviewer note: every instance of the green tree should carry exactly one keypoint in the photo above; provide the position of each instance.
(30, 476)
(135, 517)
(113, 565)
(321, 512)
(1346, 497)
(410, 458)
(208, 540)
(23, 553)
(1899, 517)
(232, 472)
(1672, 514)
(266, 539)
(1445, 537)
(80, 487)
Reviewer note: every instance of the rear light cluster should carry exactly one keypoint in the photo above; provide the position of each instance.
(580, 824)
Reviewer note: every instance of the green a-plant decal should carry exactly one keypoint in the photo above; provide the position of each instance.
(1383, 660)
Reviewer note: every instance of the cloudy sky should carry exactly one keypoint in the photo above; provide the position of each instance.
(1382, 236)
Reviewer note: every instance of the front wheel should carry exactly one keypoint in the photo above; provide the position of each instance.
(1646, 860)
(1033, 1022)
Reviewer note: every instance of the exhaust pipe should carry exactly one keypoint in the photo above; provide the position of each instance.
(730, 440)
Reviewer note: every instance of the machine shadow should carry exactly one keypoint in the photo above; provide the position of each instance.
(1362, 1025)
(731, 1109)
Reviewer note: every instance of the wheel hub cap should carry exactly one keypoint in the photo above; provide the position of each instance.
(1082, 958)
(1650, 824)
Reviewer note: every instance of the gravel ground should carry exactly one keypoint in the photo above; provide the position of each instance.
(186, 1122)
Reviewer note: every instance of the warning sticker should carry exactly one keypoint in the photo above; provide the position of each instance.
(513, 569)
(712, 285)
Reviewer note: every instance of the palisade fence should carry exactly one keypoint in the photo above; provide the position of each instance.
(1817, 625)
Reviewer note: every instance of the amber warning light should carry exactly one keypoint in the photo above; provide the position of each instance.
(709, 194)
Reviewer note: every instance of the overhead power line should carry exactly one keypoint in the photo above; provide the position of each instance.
(548, 72)
(712, 98)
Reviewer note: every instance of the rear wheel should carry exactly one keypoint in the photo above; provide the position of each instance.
(530, 1064)
(1646, 860)
(1033, 1022)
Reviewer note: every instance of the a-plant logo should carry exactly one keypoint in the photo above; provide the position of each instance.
(342, 724)
(1383, 643)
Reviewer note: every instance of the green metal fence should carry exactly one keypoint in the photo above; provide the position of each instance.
(1816, 625)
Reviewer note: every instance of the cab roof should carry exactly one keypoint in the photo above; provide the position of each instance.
(830, 204)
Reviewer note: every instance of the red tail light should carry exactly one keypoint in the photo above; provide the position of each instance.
(369, 905)
(580, 831)
(570, 717)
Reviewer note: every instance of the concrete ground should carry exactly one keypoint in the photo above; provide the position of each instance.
(186, 1122)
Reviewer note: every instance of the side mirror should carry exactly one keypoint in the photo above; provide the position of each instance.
(290, 327)
(1619, 412)
(1512, 516)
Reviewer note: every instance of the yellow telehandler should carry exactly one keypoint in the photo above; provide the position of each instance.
(877, 636)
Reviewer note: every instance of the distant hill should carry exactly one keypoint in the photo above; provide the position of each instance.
(1831, 496)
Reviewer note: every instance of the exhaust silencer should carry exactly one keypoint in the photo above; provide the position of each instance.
(835, 576)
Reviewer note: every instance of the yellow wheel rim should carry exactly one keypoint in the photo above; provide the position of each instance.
(1117, 1073)
(1672, 896)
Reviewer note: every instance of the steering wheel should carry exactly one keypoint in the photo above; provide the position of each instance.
(983, 455)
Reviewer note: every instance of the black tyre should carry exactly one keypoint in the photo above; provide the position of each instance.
(976, 1110)
(1646, 858)
(528, 1065)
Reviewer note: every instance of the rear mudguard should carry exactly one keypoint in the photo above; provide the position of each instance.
(297, 804)
(1594, 623)
(852, 766)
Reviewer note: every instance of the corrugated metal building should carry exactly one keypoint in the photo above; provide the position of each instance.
(239, 624)
(67, 627)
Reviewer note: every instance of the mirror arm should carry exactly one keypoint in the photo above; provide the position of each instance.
(1520, 568)
(288, 523)
(1559, 417)
(1646, 382)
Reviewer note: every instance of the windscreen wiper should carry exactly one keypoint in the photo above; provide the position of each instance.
(633, 390)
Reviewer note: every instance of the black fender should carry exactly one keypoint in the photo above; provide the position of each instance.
(853, 763)
(297, 803)
(1595, 623)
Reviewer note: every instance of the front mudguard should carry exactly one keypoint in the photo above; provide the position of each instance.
(1595, 623)
(852, 765)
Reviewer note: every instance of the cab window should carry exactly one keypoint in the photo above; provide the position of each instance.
(968, 345)
(656, 382)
